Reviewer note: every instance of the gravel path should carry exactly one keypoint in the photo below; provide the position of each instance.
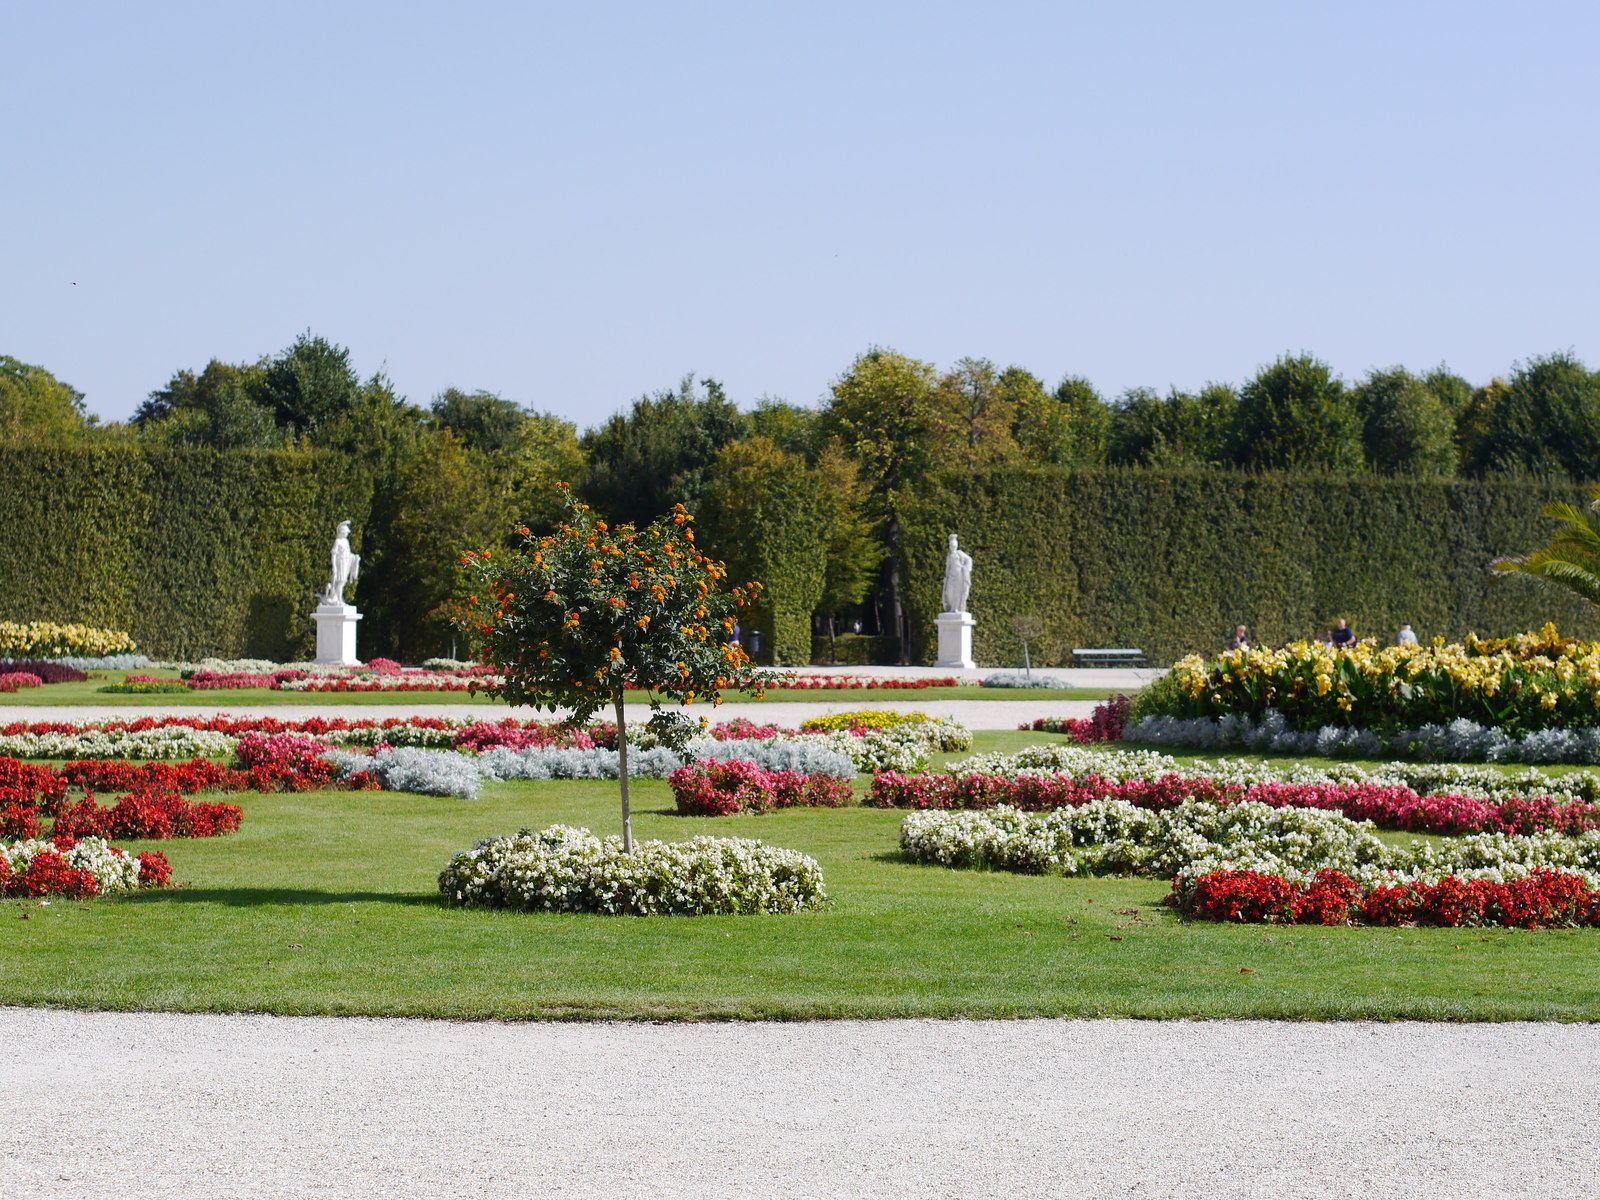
(218, 1107)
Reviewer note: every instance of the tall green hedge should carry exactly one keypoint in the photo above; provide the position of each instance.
(193, 552)
(1170, 561)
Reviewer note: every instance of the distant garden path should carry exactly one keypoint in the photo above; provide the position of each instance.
(179, 1106)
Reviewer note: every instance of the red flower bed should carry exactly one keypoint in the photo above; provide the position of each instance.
(1103, 725)
(49, 874)
(1387, 807)
(1542, 900)
(153, 815)
(712, 788)
(28, 783)
(154, 868)
(19, 820)
(10, 681)
(49, 672)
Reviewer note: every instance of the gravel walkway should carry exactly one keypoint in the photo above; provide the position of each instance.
(218, 1107)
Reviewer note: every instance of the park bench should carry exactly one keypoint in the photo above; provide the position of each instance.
(1120, 657)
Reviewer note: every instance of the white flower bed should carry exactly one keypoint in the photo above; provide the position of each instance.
(111, 662)
(170, 741)
(564, 869)
(1423, 778)
(1200, 836)
(1460, 740)
(113, 870)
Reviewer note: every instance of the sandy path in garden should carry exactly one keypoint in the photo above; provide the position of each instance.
(217, 1107)
(974, 714)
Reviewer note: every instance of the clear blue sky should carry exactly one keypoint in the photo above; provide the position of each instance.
(571, 204)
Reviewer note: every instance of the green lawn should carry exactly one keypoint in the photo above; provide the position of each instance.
(87, 694)
(326, 903)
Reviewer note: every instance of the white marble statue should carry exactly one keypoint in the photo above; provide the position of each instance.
(957, 578)
(346, 566)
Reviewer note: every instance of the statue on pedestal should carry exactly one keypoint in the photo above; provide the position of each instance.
(346, 567)
(957, 578)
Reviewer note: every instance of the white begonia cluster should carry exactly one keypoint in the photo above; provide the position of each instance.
(168, 741)
(1426, 779)
(110, 662)
(1460, 740)
(1200, 836)
(565, 869)
(113, 870)
(420, 737)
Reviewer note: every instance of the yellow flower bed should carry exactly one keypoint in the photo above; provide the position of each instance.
(1532, 681)
(866, 718)
(45, 639)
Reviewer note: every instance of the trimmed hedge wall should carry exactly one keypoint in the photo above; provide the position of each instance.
(1170, 561)
(193, 552)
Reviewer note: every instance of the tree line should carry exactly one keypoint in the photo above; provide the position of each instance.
(806, 498)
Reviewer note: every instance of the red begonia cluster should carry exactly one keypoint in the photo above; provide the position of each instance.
(712, 788)
(1543, 899)
(155, 815)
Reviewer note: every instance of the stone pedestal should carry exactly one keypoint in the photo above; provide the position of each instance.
(336, 633)
(955, 639)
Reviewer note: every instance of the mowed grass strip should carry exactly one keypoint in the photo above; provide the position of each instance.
(327, 903)
(87, 694)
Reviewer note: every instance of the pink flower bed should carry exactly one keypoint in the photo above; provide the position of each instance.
(12, 680)
(1387, 807)
(711, 788)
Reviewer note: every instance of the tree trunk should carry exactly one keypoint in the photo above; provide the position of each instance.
(622, 774)
(896, 615)
(833, 644)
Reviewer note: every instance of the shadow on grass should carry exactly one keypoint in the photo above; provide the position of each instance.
(259, 897)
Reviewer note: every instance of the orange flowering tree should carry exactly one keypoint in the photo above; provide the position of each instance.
(574, 619)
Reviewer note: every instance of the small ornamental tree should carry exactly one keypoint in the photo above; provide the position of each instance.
(574, 619)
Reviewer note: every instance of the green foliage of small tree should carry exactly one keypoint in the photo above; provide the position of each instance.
(1546, 421)
(978, 414)
(220, 407)
(1295, 415)
(885, 413)
(575, 618)
(1069, 427)
(1571, 559)
(482, 420)
(35, 406)
(1406, 427)
(790, 426)
(310, 384)
(1180, 430)
(642, 462)
(853, 550)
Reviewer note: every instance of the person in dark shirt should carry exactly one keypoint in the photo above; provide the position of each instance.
(1240, 639)
(1343, 635)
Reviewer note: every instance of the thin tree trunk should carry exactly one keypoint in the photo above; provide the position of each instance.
(622, 774)
(896, 614)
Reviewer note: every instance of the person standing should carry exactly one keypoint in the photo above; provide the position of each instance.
(1343, 635)
(1407, 636)
(1240, 639)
